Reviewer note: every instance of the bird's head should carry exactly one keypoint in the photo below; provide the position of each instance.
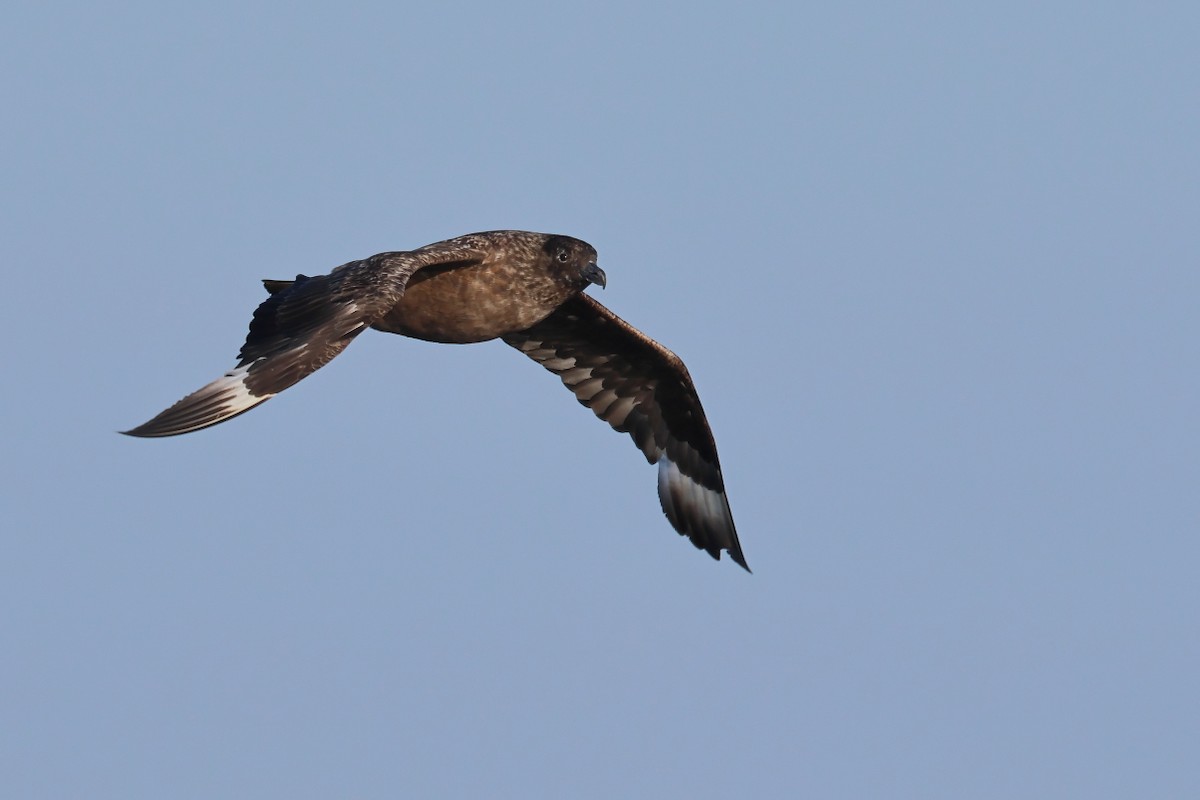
(575, 260)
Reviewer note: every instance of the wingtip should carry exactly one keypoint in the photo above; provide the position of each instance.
(143, 432)
(221, 400)
(735, 555)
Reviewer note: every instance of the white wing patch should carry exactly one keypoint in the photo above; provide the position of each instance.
(238, 397)
(684, 499)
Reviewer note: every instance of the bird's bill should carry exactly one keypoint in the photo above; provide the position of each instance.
(595, 275)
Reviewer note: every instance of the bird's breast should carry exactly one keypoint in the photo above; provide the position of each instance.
(472, 303)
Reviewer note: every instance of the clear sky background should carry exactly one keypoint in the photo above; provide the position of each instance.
(935, 273)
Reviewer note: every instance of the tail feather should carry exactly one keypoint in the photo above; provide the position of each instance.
(275, 287)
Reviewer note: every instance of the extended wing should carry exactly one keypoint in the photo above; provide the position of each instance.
(300, 328)
(641, 388)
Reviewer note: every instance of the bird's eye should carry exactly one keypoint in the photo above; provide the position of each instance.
(563, 256)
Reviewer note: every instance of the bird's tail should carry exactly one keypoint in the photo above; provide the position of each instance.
(275, 287)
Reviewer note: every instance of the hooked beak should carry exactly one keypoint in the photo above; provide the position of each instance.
(594, 274)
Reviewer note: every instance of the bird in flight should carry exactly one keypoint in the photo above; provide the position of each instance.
(521, 287)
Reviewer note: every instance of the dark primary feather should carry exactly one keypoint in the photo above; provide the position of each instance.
(641, 388)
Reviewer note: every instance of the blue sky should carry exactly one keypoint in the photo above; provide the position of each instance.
(933, 270)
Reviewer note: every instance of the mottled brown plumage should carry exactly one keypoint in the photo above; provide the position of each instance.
(525, 288)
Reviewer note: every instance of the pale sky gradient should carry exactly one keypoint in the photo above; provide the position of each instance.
(935, 273)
